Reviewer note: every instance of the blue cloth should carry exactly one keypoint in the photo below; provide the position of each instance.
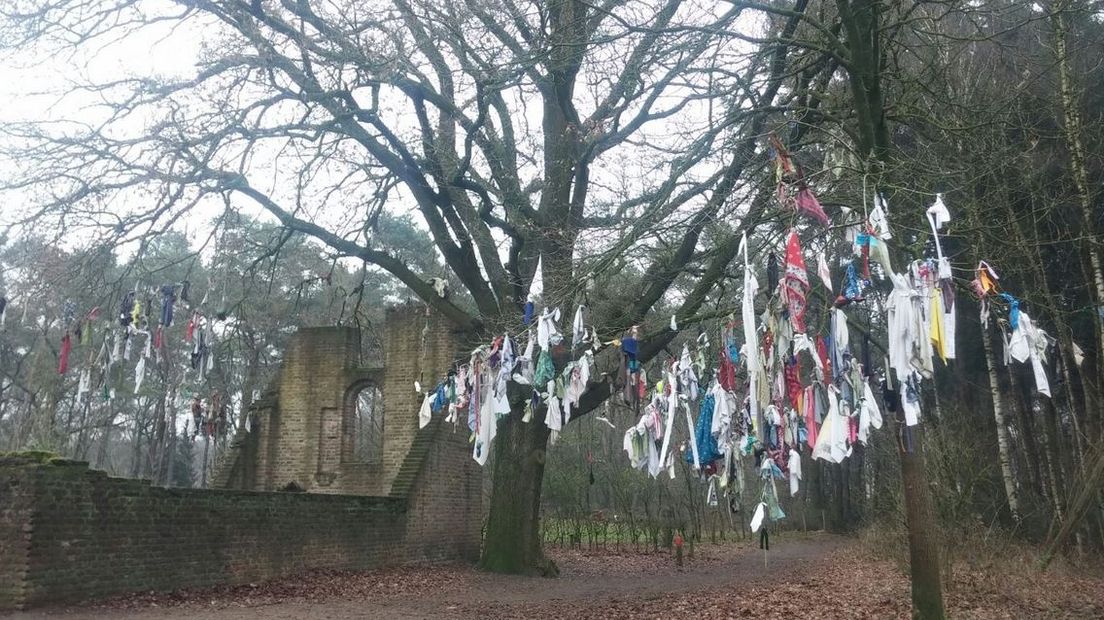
(852, 290)
(528, 316)
(707, 445)
(733, 351)
(168, 296)
(1013, 310)
(630, 347)
(440, 400)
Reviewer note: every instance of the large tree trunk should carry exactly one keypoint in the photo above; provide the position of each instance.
(513, 543)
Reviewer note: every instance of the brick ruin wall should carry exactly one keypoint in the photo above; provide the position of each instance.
(68, 533)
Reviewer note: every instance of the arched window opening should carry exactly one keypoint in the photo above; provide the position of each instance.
(366, 426)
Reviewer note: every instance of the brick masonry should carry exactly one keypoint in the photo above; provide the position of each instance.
(68, 533)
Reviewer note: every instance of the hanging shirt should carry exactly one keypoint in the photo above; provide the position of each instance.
(879, 220)
(1029, 343)
(902, 327)
(553, 418)
(869, 414)
(547, 334)
(578, 328)
(85, 383)
(831, 443)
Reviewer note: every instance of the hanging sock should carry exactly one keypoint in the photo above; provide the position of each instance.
(168, 297)
(139, 374)
(879, 219)
(781, 157)
(938, 216)
(936, 333)
(1013, 310)
(772, 273)
(823, 272)
(63, 356)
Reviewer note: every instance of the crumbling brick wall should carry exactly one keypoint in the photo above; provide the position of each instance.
(68, 533)
(299, 433)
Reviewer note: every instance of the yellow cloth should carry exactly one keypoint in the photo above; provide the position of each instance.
(938, 335)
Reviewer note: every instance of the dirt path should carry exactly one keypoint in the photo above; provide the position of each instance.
(816, 576)
(588, 582)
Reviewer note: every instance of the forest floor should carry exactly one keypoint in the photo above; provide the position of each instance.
(805, 576)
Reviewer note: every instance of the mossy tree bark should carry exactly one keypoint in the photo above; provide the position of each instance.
(513, 543)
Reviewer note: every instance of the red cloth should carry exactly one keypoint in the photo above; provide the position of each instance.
(795, 284)
(793, 385)
(726, 372)
(808, 203)
(811, 429)
(822, 353)
(63, 358)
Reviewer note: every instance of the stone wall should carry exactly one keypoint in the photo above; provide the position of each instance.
(68, 533)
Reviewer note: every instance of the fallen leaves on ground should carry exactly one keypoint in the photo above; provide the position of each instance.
(823, 581)
(315, 586)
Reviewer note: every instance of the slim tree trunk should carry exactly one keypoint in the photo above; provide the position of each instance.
(1021, 403)
(863, 34)
(923, 536)
(1071, 125)
(1003, 447)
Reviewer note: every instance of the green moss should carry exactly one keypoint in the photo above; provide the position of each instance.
(27, 457)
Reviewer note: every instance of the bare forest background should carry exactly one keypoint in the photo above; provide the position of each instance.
(326, 159)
